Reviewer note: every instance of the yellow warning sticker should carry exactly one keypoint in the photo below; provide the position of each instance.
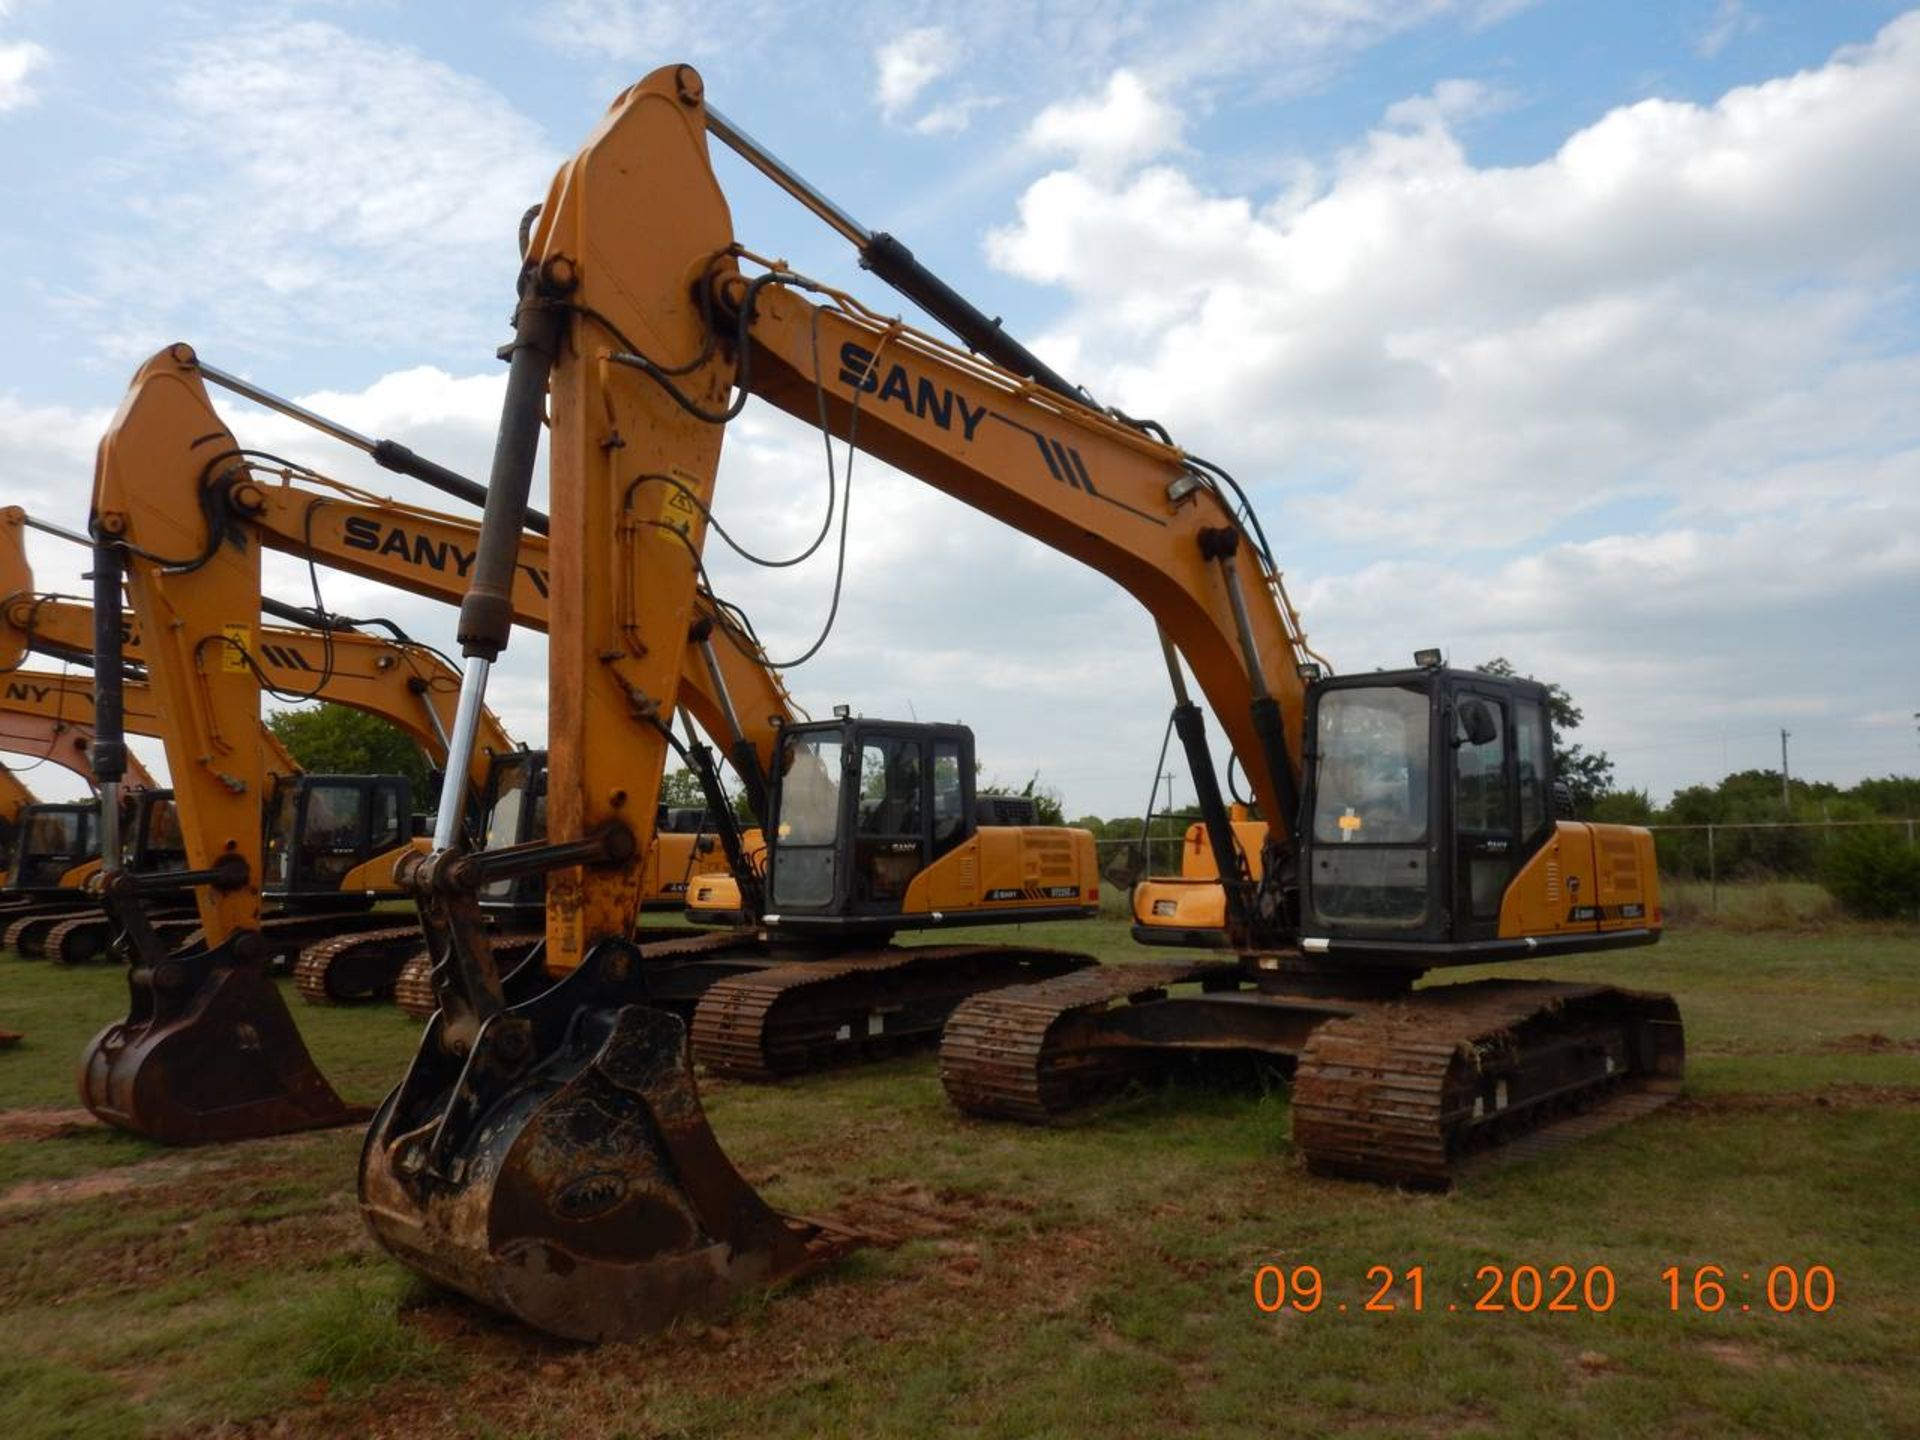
(233, 654)
(1350, 821)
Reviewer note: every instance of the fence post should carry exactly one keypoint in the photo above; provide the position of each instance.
(1713, 877)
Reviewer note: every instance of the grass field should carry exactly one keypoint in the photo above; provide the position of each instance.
(1094, 1279)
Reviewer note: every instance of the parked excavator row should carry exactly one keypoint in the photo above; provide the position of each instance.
(550, 1158)
(737, 697)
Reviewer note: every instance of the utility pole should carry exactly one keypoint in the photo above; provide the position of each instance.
(1786, 795)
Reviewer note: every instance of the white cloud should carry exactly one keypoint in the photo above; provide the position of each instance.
(305, 184)
(905, 65)
(1123, 127)
(19, 59)
(1672, 335)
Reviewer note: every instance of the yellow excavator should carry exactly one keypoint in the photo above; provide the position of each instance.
(550, 1158)
(207, 1050)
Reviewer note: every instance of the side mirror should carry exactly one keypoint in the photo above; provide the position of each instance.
(1477, 723)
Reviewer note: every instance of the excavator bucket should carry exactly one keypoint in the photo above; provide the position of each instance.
(208, 1052)
(564, 1171)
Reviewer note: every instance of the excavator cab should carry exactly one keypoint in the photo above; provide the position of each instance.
(55, 840)
(1429, 834)
(877, 828)
(321, 829)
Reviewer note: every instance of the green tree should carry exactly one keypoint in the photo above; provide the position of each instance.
(1625, 807)
(680, 789)
(1874, 871)
(1895, 795)
(339, 740)
(1588, 774)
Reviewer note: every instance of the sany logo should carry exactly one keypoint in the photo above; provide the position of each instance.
(423, 552)
(925, 400)
(26, 692)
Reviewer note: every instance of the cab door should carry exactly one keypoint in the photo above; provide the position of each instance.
(891, 830)
(1484, 801)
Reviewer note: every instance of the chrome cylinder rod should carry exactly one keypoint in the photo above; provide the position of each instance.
(289, 408)
(776, 170)
(60, 530)
(466, 730)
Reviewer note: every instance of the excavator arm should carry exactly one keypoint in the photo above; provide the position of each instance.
(28, 696)
(734, 695)
(63, 739)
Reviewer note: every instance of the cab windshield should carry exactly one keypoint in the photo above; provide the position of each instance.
(55, 832)
(1369, 861)
(1370, 784)
(809, 820)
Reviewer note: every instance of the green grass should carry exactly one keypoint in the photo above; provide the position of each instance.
(1091, 1279)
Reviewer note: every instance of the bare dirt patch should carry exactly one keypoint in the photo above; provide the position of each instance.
(1841, 1095)
(515, 1380)
(1872, 1043)
(24, 1126)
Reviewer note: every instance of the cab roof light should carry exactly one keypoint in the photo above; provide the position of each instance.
(1427, 659)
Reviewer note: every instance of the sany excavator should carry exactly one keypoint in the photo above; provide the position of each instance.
(767, 1016)
(208, 1050)
(550, 1157)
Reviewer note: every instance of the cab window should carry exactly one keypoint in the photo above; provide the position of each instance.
(1534, 759)
(949, 797)
(1481, 789)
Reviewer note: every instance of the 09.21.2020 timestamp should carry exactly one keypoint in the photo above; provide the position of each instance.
(1550, 1289)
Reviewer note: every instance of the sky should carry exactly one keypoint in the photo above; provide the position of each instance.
(1581, 334)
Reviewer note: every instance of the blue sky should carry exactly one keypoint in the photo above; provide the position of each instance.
(1579, 333)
